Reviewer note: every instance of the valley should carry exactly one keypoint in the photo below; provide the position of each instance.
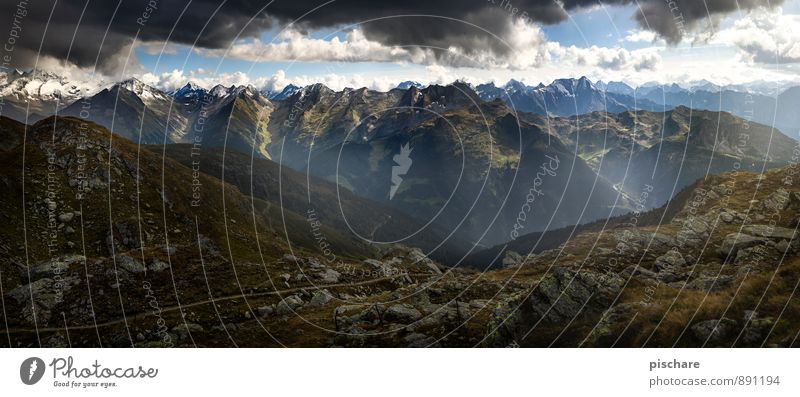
(420, 217)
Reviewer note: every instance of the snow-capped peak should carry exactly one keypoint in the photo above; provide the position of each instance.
(190, 90)
(44, 86)
(220, 91)
(142, 90)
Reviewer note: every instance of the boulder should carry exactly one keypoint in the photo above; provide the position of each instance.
(39, 298)
(265, 311)
(183, 330)
(710, 283)
(347, 316)
(694, 231)
(129, 264)
(714, 331)
(125, 237)
(634, 270)
(635, 241)
(55, 266)
(418, 340)
(736, 241)
(512, 259)
(672, 259)
(558, 298)
(158, 266)
(402, 314)
(289, 305)
(777, 201)
(327, 276)
(66, 217)
(320, 297)
(772, 232)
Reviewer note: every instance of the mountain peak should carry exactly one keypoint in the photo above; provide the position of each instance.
(584, 83)
(142, 90)
(286, 92)
(408, 84)
(515, 85)
(190, 90)
(220, 90)
(131, 83)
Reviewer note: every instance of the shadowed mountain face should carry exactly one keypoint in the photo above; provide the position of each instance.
(770, 105)
(234, 117)
(661, 153)
(355, 226)
(443, 155)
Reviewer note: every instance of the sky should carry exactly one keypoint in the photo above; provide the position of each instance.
(355, 43)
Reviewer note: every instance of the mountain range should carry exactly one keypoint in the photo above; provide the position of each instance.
(371, 213)
(766, 103)
(473, 152)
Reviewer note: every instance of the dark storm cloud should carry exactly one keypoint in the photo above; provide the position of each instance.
(215, 26)
(65, 31)
(673, 18)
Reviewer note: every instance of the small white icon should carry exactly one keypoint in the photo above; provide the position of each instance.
(403, 162)
(32, 370)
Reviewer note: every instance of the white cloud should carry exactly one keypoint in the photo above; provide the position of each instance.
(764, 36)
(526, 43)
(292, 45)
(158, 48)
(640, 36)
(616, 59)
(175, 79)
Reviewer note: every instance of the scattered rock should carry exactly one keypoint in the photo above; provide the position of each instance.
(736, 241)
(634, 270)
(289, 305)
(41, 297)
(169, 249)
(672, 259)
(125, 236)
(418, 340)
(776, 201)
(183, 330)
(66, 217)
(709, 283)
(158, 266)
(512, 259)
(129, 264)
(327, 276)
(772, 232)
(694, 231)
(320, 297)
(266, 311)
(402, 314)
(56, 266)
(714, 331)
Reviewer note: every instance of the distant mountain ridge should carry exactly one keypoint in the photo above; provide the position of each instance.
(563, 97)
